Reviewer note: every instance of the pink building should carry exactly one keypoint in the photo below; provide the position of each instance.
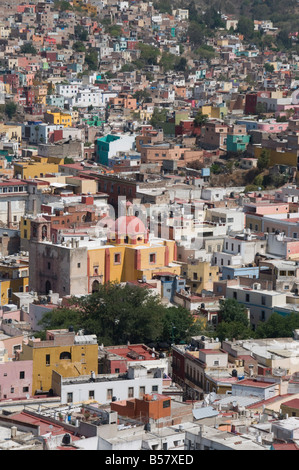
(271, 126)
(266, 208)
(16, 380)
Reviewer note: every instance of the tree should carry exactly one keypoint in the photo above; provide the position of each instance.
(117, 314)
(91, 59)
(233, 321)
(148, 54)
(81, 33)
(28, 48)
(10, 109)
(278, 326)
(212, 18)
(246, 27)
(231, 310)
(79, 46)
(263, 160)
(196, 33)
(178, 325)
(269, 67)
(158, 116)
(200, 119)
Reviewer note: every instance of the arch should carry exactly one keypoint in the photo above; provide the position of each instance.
(48, 287)
(65, 355)
(95, 286)
(44, 232)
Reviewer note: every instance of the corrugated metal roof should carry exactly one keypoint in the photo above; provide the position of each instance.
(205, 412)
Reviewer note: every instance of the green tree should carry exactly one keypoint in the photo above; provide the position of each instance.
(81, 33)
(231, 310)
(78, 46)
(196, 33)
(28, 48)
(278, 326)
(158, 116)
(269, 67)
(200, 119)
(167, 61)
(246, 27)
(91, 59)
(263, 160)
(178, 325)
(10, 109)
(233, 321)
(148, 54)
(118, 314)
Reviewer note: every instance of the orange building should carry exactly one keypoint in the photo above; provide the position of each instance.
(149, 407)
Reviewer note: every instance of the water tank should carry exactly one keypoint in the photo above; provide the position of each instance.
(71, 328)
(114, 399)
(147, 427)
(66, 440)
(234, 373)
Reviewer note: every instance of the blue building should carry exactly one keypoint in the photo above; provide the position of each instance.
(231, 272)
(170, 284)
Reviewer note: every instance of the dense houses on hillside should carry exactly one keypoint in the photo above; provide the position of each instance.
(131, 155)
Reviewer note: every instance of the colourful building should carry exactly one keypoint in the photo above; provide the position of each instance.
(37, 167)
(201, 275)
(64, 352)
(14, 277)
(58, 118)
(129, 255)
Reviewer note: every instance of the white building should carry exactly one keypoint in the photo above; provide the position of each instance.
(110, 387)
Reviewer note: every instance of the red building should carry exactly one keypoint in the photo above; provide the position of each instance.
(115, 359)
(250, 103)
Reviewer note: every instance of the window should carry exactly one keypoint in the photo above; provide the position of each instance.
(109, 393)
(131, 392)
(22, 374)
(117, 258)
(49, 265)
(79, 265)
(263, 300)
(247, 298)
(152, 258)
(154, 388)
(69, 397)
(9, 293)
(25, 389)
(216, 363)
(47, 359)
(91, 395)
(116, 371)
(166, 404)
(141, 392)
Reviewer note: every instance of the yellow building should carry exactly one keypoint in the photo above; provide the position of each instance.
(37, 167)
(129, 255)
(58, 118)
(40, 94)
(68, 354)
(14, 277)
(11, 131)
(201, 275)
(277, 157)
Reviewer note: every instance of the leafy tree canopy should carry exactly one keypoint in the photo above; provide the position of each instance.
(118, 314)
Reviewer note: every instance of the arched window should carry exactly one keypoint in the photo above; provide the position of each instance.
(95, 286)
(44, 232)
(65, 355)
(48, 287)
